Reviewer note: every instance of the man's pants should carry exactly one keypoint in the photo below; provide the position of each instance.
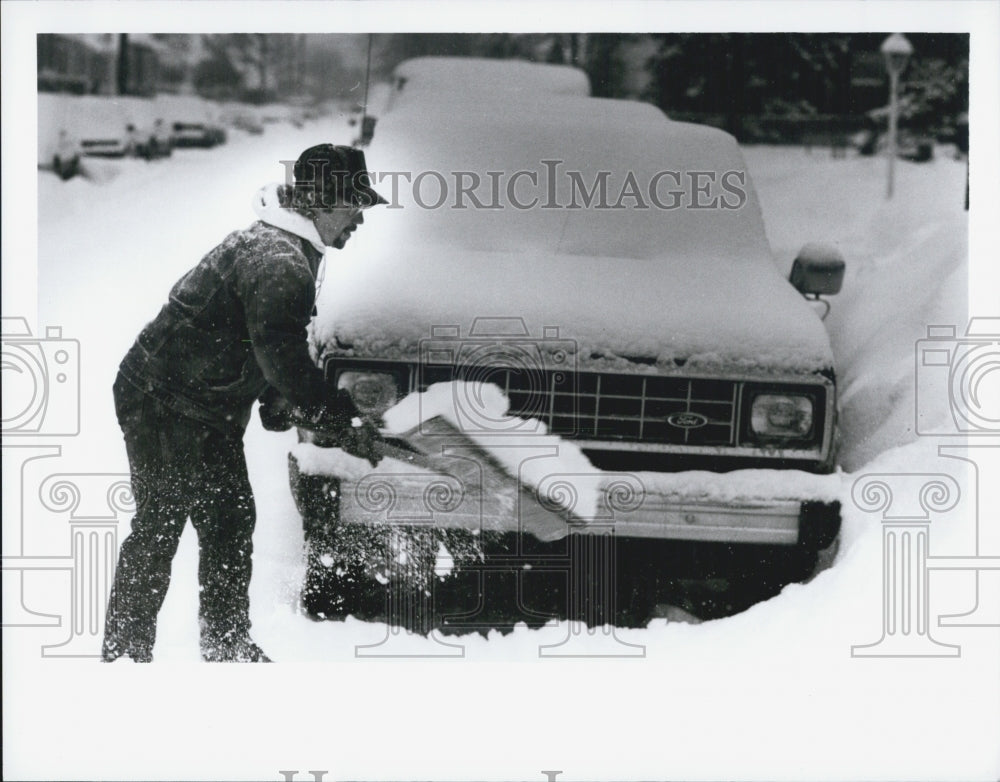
(180, 468)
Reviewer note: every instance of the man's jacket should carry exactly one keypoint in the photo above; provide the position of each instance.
(233, 325)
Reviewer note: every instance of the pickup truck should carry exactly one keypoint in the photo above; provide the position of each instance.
(668, 408)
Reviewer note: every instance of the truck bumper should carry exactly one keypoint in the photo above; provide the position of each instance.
(811, 523)
(500, 505)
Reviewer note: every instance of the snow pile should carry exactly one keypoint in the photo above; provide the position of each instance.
(907, 269)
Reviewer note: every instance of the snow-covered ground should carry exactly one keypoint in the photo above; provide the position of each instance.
(771, 693)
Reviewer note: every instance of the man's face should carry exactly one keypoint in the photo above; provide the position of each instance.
(336, 225)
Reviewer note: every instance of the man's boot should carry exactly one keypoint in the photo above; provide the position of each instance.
(112, 649)
(230, 647)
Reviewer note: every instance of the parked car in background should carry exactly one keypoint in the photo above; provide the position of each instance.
(314, 111)
(215, 121)
(58, 146)
(280, 113)
(102, 125)
(192, 120)
(150, 132)
(617, 285)
(241, 116)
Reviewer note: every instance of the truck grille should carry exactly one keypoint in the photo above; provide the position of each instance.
(607, 406)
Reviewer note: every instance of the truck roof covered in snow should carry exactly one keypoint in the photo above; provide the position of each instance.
(487, 76)
(570, 175)
(639, 236)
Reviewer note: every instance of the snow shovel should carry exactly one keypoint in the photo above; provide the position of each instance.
(506, 504)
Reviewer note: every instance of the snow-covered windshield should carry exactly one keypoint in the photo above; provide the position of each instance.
(567, 175)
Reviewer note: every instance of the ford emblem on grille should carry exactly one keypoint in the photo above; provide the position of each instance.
(686, 420)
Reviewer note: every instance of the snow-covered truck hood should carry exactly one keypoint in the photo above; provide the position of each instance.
(624, 314)
(632, 280)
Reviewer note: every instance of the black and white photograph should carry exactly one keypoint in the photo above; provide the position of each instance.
(557, 391)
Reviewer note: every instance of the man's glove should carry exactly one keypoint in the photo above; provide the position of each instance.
(339, 424)
(330, 417)
(361, 439)
(275, 412)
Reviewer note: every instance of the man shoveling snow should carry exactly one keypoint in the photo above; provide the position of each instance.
(232, 331)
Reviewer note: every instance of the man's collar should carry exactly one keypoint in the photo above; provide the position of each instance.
(268, 208)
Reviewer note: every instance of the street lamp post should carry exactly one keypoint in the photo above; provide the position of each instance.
(896, 50)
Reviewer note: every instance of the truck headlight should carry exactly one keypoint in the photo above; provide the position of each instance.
(372, 392)
(781, 416)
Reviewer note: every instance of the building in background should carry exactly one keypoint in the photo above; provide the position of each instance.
(99, 63)
(79, 64)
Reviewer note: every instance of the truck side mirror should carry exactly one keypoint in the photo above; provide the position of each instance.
(818, 270)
